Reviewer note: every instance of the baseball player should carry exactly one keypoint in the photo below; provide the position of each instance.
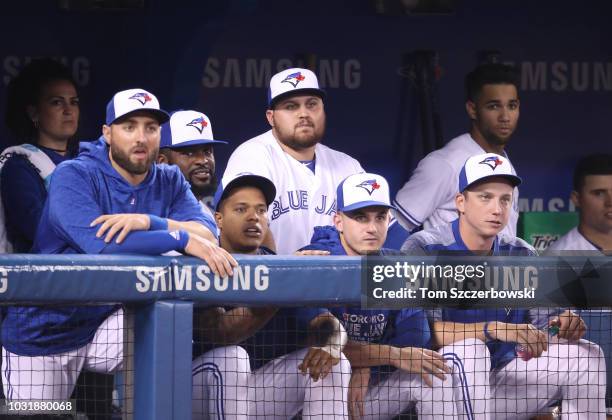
(565, 367)
(271, 374)
(304, 171)
(592, 195)
(428, 198)
(111, 199)
(187, 141)
(439, 383)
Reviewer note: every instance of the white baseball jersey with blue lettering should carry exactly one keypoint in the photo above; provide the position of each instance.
(303, 199)
(572, 241)
(428, 198)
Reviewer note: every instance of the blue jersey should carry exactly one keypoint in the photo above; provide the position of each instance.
(404, 328)
(447, 238)
(81, 190)
(285, 333)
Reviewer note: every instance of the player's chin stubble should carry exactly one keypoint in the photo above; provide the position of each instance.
(123, 160)
(301, 141)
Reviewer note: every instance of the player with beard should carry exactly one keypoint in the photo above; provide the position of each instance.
(111, 199)
(492, 104)
(187, 142)
(290, 154)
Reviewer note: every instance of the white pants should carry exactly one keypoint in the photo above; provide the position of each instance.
(53, 377)
(573, 373)
(225, 388)
(463, 395)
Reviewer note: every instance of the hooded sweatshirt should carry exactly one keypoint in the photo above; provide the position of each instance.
(81, 190)
(407, 327)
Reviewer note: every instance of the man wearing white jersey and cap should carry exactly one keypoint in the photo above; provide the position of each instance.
(304, 171)
(592, 195)
(492, 104)
(187, 142)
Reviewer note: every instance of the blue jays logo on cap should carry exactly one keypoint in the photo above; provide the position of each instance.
(492, 162)
(198, 123)
(369, 185)
(141, 97)
(294, 78)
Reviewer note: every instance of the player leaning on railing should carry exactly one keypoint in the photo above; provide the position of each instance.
(438, 382)
(287, 374)
(562, 367)
(111, 199)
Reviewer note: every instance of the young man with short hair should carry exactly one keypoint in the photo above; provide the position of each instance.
(275, 371)
(592, 195)
(565, 367)
(492, 105)
(439, 383)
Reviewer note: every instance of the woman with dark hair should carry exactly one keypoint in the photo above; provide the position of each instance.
(42, 113)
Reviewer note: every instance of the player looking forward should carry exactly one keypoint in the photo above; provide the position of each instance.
(492, 105)
(304, 171)
(561, 367)
(439, 383)
(273, 373)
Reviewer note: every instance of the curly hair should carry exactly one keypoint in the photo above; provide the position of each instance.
(25, 90)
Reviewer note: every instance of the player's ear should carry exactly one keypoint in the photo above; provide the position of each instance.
(470, 108)
(161, 158)
(32, 114)
(106, 133)
(575, 197)
(219, 220)
(270, 117)
(338, 222)
(460, 203)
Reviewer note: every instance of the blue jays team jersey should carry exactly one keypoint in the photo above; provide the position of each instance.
(447, 238)
(401, 328)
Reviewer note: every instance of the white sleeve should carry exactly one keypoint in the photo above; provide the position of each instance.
(430, 185)
(248, 158)
(413, 246)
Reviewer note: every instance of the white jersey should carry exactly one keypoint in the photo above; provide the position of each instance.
(303, 199)
(572, 241)
(428, 198)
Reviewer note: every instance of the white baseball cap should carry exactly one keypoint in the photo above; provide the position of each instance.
(290, 81)
(363, 190)
(485, 166)
(132, 100)
(187, 128)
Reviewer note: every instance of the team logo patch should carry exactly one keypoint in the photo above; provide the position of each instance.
(141, 97)
(369, 185)
(198, 123)
(492, 162)
(294, 78)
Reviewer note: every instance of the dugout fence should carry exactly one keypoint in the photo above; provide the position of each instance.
(159, 294)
